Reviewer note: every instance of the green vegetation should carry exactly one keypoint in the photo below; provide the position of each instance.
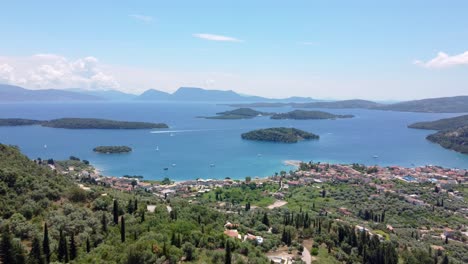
(453, 132)
(45, 217)
(82, 123)
(279, 134)
(94, 123)
(18, 122)
(454, 139)
(302, 115)
(112, 149)
(240, 113)
(456, 104)
(442, 124)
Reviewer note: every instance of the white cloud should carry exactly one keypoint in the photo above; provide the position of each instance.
(443, 60)
(146, 19)
(55, 71)
(216, 37)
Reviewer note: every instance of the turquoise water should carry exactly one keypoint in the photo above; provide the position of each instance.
(195, 143)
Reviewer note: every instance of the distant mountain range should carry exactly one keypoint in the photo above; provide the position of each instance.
(11, 93)
(195, 94)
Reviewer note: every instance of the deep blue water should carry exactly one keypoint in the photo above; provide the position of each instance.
(196, 143)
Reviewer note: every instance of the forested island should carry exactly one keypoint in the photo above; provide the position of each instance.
(240, 113)
(453, 132)
(279, 134)
(82, 123)
(304, 115)
(112, 149)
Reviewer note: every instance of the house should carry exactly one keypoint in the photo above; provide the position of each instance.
(233, 233)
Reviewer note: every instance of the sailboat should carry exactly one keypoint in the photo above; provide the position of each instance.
(157, 148)
(45, 146)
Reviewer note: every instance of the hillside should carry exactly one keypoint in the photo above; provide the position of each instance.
(456, 104)
(153, 95)
(304, 115)
(356, 103)
(279, 134)
(455, 139)
(11, 93)
(109, 95)
(442, 124)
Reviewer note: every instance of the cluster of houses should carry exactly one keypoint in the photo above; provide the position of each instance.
(231, 231)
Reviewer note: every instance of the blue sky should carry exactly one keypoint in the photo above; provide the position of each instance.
(323, 49)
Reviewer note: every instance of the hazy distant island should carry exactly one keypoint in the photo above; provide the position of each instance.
(82, 123)
(453, 132)
(304, 115)
(240, 113)
(355, 103)
(279, 134)
(18, 122)
(112, 149)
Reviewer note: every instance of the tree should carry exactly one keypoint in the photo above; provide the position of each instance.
(46, 244)
(248, 179)
(62, 253)
(88, 245)
(189, 251)
(134, 183)
(104, 222)
(130, 208)
(35, 255)
(73, 251)
(122, 229)
(228, 256)
(116, 212)
(445, 260)
(247, 206)
(6, 247)
(265, 220)
(142, 216)
(135, 205)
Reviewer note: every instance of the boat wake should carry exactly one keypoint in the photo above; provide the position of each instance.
(183, 131)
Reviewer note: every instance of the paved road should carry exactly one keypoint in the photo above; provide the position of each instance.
(306, 257)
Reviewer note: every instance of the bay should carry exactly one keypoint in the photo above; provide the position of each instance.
(205, 148)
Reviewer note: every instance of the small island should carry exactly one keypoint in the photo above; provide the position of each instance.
(279, 134)
(82, 123)
(18, 122)
(112, 149)
(304, 115)
(240, 113)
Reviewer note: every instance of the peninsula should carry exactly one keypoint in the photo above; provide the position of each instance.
(453, 132)
(112, 149)
(82, 123)
(279, 134)
(304, 115)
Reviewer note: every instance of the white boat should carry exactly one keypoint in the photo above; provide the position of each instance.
(375, 157)
(157, 148)
(212, 165)
(173, 164)
(45, 146)
(172, 134)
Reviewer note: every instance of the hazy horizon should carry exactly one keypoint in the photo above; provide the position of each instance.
(323, 50)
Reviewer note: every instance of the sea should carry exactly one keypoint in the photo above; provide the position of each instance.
(194, 147)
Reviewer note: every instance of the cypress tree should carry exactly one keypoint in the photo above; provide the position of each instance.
(122, 229)
(62, 253)
(88, 245)
(6, 247)
(46, 244)
(116, 212)
(130, 207)
(265, 220)
(135, 205)
(445, 260)
(228, 256)
(73, 251)
(35, 255)
(104, 222)
(142, 216)
(18, 252)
